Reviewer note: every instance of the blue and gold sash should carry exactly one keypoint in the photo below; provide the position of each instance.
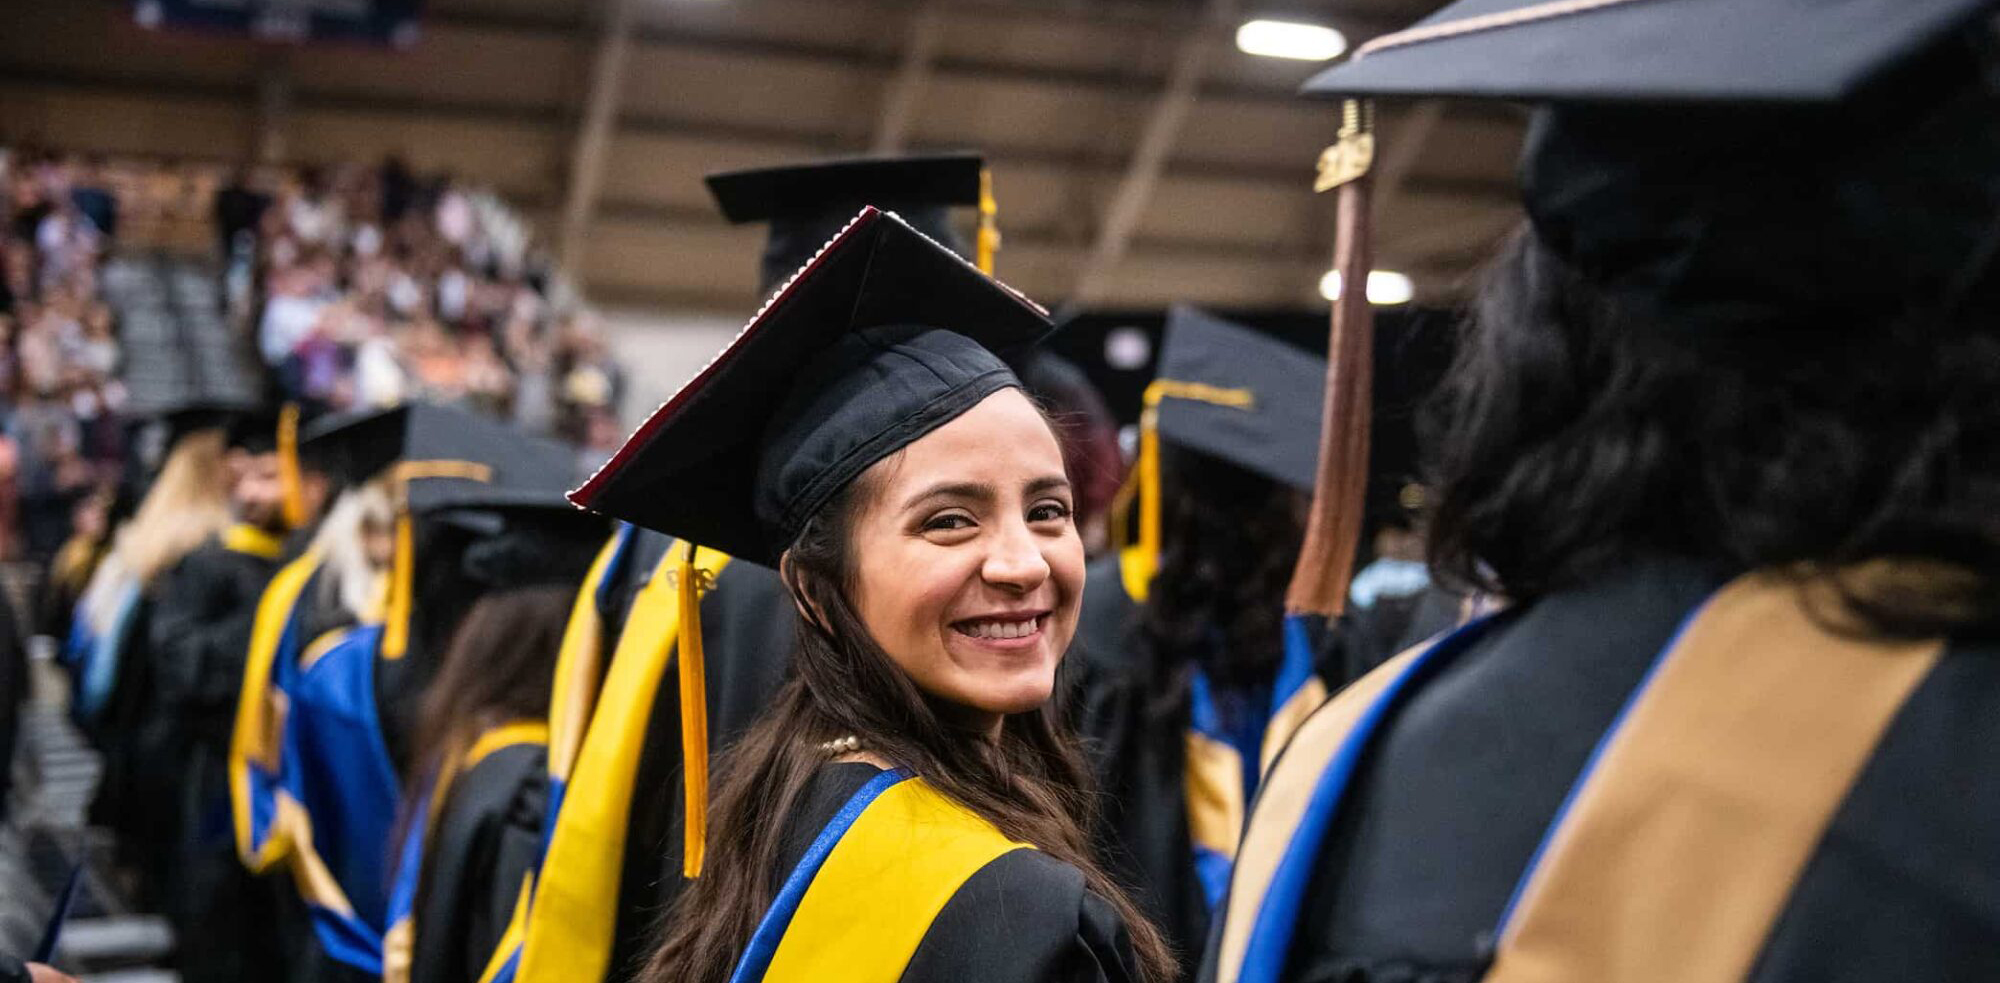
(859, 902)
(1755, 703)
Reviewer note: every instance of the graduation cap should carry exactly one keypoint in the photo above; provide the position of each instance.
(1709, 165)
(1232, 393)
(806, 204)
(884, 336)
(437, 459)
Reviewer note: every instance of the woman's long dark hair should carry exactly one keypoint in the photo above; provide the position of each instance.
(499, 668)
(1032, 783)
(1572, 435)
(1229, 540)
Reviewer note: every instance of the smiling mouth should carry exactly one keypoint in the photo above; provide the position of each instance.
(1001, 629)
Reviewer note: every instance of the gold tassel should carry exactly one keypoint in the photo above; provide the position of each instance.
(291, 483)
(694, 714)
(1340, 489)
(402, 574)
(1138, 562)
(988, 244)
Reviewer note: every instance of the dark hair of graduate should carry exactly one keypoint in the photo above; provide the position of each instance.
(1229, 540)
(499, 668)
(1032, 784)
(1572, 435)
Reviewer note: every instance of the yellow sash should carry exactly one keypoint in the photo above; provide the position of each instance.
(260, 711)
(245, 538)
(876, 895)
(569, 930)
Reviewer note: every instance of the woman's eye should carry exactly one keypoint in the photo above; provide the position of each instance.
(947, 522)
(1048, 512)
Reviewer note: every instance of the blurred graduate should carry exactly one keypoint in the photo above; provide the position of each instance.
(325, 727)
(1189, 681)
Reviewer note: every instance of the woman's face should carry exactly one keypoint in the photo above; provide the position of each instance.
(970, 568)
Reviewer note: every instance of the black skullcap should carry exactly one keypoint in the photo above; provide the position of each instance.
(455, 458)
(1277, 433)
(1736, 162)
(528, 541)
(882, 338)
(806, 204)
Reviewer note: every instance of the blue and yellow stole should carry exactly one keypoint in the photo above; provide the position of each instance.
(1679, 843)
(859, 902)
(567, 912)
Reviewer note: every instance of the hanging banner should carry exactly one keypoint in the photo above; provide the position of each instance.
(383, 22)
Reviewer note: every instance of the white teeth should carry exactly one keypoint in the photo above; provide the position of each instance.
(999, 629)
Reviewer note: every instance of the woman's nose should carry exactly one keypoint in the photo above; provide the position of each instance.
(1014, 559)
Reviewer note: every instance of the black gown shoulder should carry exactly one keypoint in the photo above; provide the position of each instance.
(487, 838)
(1449, 805)
(1025, 917)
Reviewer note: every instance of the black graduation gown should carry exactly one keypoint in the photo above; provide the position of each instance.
(1138, 751)
(200, 636)
(486, 838)
(1132, 714)
(1025, 917)
(1446, 810)
(747, 623)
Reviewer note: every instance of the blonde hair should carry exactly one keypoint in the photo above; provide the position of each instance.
(188, 503)
(353, 581)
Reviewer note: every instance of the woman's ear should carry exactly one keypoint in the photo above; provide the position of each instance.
(808, 607)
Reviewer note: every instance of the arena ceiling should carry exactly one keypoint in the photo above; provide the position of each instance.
(1140, 158)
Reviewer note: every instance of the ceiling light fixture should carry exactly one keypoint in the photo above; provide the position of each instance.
(1290, 39)
(1386, 288)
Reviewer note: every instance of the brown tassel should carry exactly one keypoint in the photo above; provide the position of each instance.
(1340, 490)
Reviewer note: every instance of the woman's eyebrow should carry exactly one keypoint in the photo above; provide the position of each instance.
(952, 489)
(1052, 482)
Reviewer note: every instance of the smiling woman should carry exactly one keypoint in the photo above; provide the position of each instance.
(908, 808)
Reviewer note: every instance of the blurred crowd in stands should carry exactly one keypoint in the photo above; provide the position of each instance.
(357, 285)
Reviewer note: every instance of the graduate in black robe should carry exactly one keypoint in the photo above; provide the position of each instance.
(1187, 673)
(900, 880)
(473, 815)
(746, 618)
(1739, 721)
(200, 634)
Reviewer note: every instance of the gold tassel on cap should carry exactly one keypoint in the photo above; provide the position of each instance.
(694, 713)
(988, 245)
(402, 577)
(1138, 562)
(291, 483)
(1340, 489)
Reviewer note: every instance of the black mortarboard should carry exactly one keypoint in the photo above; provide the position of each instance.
(1227, 391)
(884, 336)
(204, 414)
(1734, 162)
(806, 204)
(254, 430)
(1275, 432)
(446, 457)
(1648, 51)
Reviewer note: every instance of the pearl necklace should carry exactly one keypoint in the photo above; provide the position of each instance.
(841, 745)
